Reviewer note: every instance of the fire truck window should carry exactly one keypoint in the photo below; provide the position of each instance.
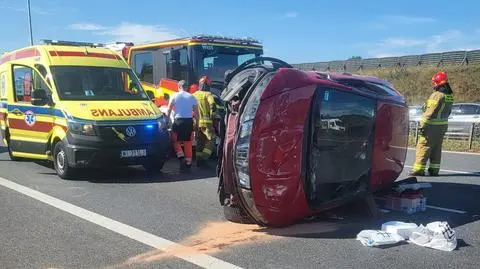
(177, 67)
(144, 66)
(341, 138)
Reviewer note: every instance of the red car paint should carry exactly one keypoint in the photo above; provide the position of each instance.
(278, 148)
(276, 156)
(391, 141)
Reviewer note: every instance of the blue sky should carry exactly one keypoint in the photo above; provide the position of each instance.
(295, 31)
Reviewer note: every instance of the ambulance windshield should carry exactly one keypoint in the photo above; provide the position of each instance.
(96, 83)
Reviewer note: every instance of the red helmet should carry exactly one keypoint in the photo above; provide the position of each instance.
(205, 80)
(439, 79)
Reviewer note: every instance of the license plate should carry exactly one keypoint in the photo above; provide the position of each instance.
(133, 153)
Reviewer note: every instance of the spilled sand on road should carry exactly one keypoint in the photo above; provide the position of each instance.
(216, 236)
(213, 237)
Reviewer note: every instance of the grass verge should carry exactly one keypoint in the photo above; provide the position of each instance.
(415, 82)
(452, 144)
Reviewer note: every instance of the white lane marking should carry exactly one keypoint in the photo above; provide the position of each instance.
(154, 241)
(447, 209)
(452, 171)
(455, 152)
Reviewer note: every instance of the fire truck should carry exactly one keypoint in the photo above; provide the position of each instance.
(161, 65)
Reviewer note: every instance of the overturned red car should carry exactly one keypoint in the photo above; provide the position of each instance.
(297, 143)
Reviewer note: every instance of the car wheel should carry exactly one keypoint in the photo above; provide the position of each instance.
(235, 214)
(154, 165)
(60, 162)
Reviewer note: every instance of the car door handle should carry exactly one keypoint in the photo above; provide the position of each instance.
(17, 112)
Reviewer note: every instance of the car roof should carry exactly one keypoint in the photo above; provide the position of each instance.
(475, 104)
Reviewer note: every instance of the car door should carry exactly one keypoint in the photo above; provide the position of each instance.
(29, 126)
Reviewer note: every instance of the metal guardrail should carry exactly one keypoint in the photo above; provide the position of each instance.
(456, 130)
(431, 59)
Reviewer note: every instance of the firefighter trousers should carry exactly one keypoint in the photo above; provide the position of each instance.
(205, 144)
(429, 148)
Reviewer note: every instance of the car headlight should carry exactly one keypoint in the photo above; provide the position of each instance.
(162, 123)
(82, 128)
(242, 147)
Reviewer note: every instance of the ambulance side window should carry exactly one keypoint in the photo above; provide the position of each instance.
(22, 79)
(43, 72)
(25, 81)
(3, 85)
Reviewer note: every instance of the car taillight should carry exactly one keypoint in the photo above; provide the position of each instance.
(242, 147)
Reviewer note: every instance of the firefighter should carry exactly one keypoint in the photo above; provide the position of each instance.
(182, 127)
(433, 126)
(206, 109)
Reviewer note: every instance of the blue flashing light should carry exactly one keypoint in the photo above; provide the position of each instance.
(149, 126)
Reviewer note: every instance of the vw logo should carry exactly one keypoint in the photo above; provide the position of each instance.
(130, 131)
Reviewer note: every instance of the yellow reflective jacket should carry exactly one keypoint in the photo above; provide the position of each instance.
(206, 107)
(437, 109)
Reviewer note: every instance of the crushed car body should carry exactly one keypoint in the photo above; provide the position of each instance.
(298, 143)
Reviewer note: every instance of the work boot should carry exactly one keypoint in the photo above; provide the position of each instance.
(182, 163)
(202, 163)
(419, 173)
(433, 172)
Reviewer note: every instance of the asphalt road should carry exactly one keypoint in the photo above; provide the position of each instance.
(38, 231)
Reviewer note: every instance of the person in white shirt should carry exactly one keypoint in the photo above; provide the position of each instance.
(185, 108)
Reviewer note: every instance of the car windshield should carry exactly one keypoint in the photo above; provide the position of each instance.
(96, 83)
(465, 109)
(214, 61)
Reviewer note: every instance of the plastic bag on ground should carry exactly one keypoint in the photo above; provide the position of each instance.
(437, 235)
(373, 238)
(403, 229)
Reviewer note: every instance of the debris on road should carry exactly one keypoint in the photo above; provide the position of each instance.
(401, 228)
(437, 235)
(374, 238)
(407, 198)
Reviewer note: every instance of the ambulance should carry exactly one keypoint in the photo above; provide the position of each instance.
(79, 106)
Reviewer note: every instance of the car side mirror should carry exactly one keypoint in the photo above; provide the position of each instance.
(151, 96)
(40, 97)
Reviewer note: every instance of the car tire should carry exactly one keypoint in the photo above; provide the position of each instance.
(236, 215)
(154, 165)
(60, 162)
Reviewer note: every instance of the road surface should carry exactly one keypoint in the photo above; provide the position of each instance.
(122, 219)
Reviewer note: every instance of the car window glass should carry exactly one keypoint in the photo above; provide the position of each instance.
(96, 83)
(343, 125)
(3, 86)
(468, 109)
(25, 81)
(456, 110)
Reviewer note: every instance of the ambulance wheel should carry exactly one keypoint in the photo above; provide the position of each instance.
(60, 162)
(154, 165)
(234, 214)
